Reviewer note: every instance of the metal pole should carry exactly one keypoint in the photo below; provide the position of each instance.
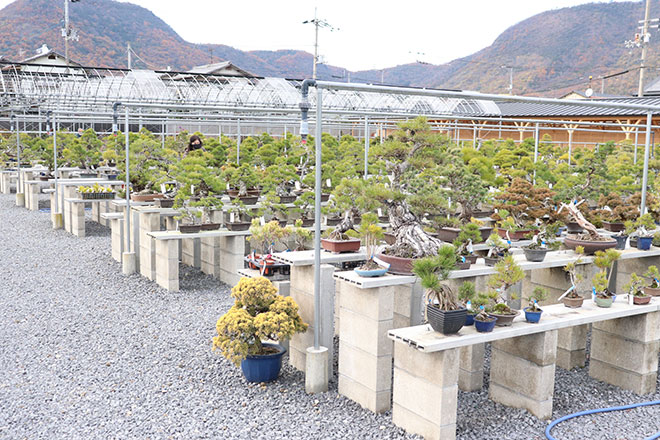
(317, 224)
(570, 146)
(66, 32)
(238, 141)
(55, 166)
(645, 177)
(18, 155)
(645, 30)
(536, 149)
(366, 146)
(635, 154)
(474, 136)
(162, 136)
(316, 49)
(128, 189)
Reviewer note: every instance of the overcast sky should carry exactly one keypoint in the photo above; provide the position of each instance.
(371, 34)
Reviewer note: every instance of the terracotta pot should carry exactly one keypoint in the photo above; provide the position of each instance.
(485, 232)
(590, 247)
(339, 246)
(145, 197)
(516, 235)
(448, 234)
(652, 291)
(573, 303)
(641, 300)
(613, 226)
(398, 265)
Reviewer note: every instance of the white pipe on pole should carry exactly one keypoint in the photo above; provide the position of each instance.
(536, 149)
(645, 176)
(55, 210)
(317, 224)
(366, 147)
(128, 188)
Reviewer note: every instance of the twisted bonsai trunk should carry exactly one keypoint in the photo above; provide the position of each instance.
(411, 240)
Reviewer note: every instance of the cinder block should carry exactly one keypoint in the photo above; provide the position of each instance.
(539, 348)
(400, 321)
(426, 399)
(540, 409)
(376, 304)
(569, 359)
(572, 338)
(232, 245)
(377, 402)
(471, 367)
(437, 368)
(364, 333)
(638, 357)
(522, 376)
(554, 277)
(643, 328)
(302, 277)
(635, 382)
(416, 424)
(637, 265)
(374, 372)
(401, 302)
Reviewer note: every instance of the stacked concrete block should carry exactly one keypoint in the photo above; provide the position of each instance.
(167, 264)
(471, 367)
(425, 395)
(624, 352)
(365, 352)
(149, 222)
(522, 372)
(229, 257)
(301, 289)
(117, 235)
(77, 212)
(572, 347)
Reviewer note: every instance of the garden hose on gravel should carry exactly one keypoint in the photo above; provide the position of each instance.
(600, 410)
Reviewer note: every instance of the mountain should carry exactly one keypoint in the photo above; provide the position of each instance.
(550, 53)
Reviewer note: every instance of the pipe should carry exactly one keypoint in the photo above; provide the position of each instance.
(128, 189)
(317, 224)
(366, 147)
(645, 177)
(549, 428)
(54, 209)
(304, 108)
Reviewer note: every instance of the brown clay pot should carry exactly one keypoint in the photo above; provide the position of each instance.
(164, 203)
(504, 320)
(485, 232)
(590, 247)
(573, 303)
(145, 197)
(515, 235)
(288, 199)
(247, 200)
(210, 226)
(652, 291)
(398, 265)
(238, 226)
(189, 229)
(448, 234)
(339, 246)
(641, 300)
(613, 226)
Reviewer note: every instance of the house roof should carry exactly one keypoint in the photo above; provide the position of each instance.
(45, 51)
(221, 67)
(525, 109)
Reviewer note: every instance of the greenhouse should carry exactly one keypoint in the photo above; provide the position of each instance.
(419, 259)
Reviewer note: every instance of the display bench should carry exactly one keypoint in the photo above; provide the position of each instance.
(74, 211)
(624, 352)
(68, 189)
(7, 178)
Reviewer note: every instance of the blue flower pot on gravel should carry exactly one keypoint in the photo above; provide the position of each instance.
(263, 368)
(531, 316)
(644, 243)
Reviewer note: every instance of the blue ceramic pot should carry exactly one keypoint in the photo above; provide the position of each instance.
(644, 243)
(263, 368)
(485, 326)
(533, 317)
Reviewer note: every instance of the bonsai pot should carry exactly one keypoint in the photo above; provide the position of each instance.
(238, 226)
(463, 266)
(164, 203)
(491, 261)
(339, 246)
(448, 234)
(265, 367)
(469, 319)
(371, 272)
(613, 226)
(485, 326)
(282, 223)
(535, 255)
(89, 175)
(644, 243)
(620, 241)
(641, 300)
(232, 193)
(288, 199)
(97, 196)
(307, 222)
(111, 176)
(332, 221)
(572, 303)
(514, 235)
(247, 200)
(652, 291)
(471, 258)
(533, 317)
(446, 322)
(325, 197)
(573, 228)
(398, 265)
(485, 232)
(189, 229)
(210, 226)
(145, 197)
(504, 320)
(253, 192)
(603, 302)
(384, 218)
(571, 242)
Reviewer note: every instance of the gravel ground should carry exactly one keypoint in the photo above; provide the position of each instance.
(86, 352)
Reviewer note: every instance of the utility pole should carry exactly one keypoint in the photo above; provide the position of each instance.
(645, 31)
(66, 32)
(317, 24)
(510, 78)
(128, 51)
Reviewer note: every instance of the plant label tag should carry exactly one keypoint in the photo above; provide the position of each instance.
(231, 217)
(328, 183)
(228, 185)
(468, 305)
(449, 202)
(262, 221)
(297, 184)
(380, 212)
(192, 189)
(163, 189)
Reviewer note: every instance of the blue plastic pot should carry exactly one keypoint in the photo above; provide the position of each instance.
(263, 368)
(485, 326)
(533, 317)
(644, 243)
(469, 319)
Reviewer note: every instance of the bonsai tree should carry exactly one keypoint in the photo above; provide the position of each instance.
(189, 214)
(574, 276)
(433, 271)
(469, 234)
(653, 276)
(278, 178)
(258, 313)
(303, 204)
(524, 203)
(351, 197)
(238, 211)
(616, 209)
(497, 246)
(298, 235)
(265, 237)
(242, 178)
(539, 294)
(601, 281)
(467, 294)
(507, 273)
(636, 286)
(370, 235)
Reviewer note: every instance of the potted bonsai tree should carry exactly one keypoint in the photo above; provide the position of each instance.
(542, 242)
(299, 236)
(243, 181)
(371, 234)
(443, 310)
(278, 180)
(615, 211)
(591, 241)
(604, 261)
(533, 311)
(571, 298)
(239, 219)
(468, 235)
(258, 314)
(304, 208)
(644, 233)
(264, 238)
(189, 219)
(498, 249)
(621, 237)
(484, 322)
(635, 289)
(507, 274)
(467, 294)
(652, 276)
